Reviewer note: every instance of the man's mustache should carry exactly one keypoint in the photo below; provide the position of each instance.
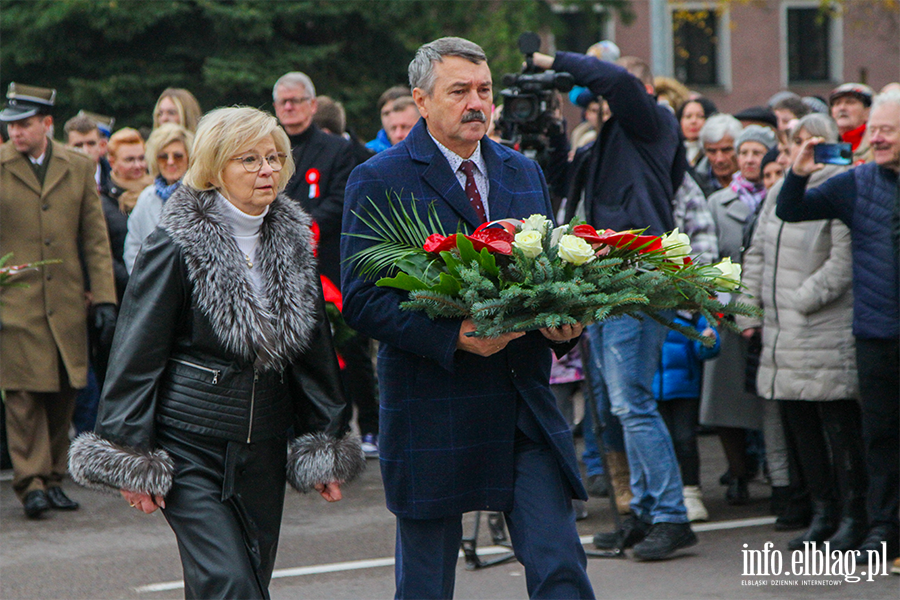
(474, 115)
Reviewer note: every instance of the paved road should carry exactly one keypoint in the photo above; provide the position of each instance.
(107, 550)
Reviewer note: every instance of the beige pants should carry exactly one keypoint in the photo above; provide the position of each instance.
(37, 431)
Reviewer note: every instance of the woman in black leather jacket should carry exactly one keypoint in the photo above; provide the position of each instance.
(223, 382)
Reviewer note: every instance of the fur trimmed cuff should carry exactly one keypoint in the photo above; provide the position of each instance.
(100, 465)
(316, 458)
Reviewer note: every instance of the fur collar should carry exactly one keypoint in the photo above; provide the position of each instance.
(269, 331)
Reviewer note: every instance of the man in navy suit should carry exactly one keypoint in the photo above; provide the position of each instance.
(467, 423)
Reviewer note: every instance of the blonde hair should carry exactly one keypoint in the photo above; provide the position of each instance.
(185, 103)
(161, 137)
(225, 132)
(123, 137)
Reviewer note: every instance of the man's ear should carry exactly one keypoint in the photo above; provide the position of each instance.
(419, 98)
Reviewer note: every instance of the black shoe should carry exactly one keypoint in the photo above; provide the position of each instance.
(36, 503)
(873, 543)
(59, 500)
(850, 534)
(597, 486)
(664, 539)
(632, 531)
(737, 493)
(792, 508)
(823, 525)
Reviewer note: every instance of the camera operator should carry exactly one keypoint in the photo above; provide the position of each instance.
(627, 180)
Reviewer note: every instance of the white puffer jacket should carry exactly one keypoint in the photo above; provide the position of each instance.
(801, 275)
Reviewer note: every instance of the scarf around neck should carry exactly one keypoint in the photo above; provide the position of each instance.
(163, 190)
(751, 194)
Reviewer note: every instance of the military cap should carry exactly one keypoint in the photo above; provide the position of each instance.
(26, 101)
(104, 124)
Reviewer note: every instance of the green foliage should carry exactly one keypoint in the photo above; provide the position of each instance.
(114, 57)
(398, 236)
(522, 293)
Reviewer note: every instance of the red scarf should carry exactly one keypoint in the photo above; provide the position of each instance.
(855, 136)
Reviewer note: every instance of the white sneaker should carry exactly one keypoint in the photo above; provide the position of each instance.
(370, 445)
(693, 502)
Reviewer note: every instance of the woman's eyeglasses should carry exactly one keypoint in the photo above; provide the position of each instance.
(253, 162)
(176, 156)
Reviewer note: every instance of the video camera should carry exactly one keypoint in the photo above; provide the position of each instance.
(528, 119)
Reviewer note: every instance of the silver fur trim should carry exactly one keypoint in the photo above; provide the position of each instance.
(270, 330)
(317, 458)
(100, 465)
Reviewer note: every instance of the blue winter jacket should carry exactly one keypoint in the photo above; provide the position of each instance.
(680, 370)
(865, 199)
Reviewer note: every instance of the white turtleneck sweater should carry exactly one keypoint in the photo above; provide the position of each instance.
(245, 229)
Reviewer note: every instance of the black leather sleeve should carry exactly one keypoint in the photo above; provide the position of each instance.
(153, 311)
(315, 384)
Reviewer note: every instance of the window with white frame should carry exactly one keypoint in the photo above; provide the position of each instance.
(813, 43)
(699, 52)
(696, 45)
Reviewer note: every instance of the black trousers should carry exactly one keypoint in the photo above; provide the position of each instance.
(828, 443)
(682, 416)
(878, 364)
(358, 377)
(225, 509)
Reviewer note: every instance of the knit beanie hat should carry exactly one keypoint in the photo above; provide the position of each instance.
(756, 133)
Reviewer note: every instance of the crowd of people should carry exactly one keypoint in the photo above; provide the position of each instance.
(197, 274)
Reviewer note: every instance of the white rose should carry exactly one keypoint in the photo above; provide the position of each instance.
(535, 223)
(575, 250)
(529, 242)
(731, 274)
(677, 246)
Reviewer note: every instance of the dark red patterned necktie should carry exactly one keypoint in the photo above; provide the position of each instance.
(468, 167)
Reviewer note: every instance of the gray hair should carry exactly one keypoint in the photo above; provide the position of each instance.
(889, 97)
(294, 79)
(421, 69)
(817, 125)
(718, 126)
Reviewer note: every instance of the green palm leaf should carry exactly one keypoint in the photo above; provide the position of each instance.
(398, 233)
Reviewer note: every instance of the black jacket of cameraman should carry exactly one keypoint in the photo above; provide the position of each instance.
(630, 174)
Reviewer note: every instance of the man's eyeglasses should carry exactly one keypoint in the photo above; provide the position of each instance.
(253, 162)
(294, 101)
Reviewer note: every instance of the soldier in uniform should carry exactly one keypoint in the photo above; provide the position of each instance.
(49, 210)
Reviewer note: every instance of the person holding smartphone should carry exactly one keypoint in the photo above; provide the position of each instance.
(865, 198)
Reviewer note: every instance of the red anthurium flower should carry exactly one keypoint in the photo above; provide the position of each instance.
(588, 234)
(626, 239)
(495, 240)
(439, 243)
(509, 225)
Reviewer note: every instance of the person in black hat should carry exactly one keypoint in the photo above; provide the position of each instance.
(46, 188)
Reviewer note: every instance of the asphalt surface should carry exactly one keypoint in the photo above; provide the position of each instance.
(107, 550)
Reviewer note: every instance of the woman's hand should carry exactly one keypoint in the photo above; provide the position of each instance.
(143, 502)
(805, 163)
(330, 491)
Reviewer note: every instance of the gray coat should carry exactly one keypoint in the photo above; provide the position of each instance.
(801, 275)
(724, 402)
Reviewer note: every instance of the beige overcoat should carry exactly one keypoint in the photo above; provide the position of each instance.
(801, 274)
(48, 318)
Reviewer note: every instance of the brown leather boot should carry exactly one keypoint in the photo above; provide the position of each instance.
(620, 476)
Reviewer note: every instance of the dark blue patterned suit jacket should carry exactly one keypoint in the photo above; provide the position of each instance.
(448, 418)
